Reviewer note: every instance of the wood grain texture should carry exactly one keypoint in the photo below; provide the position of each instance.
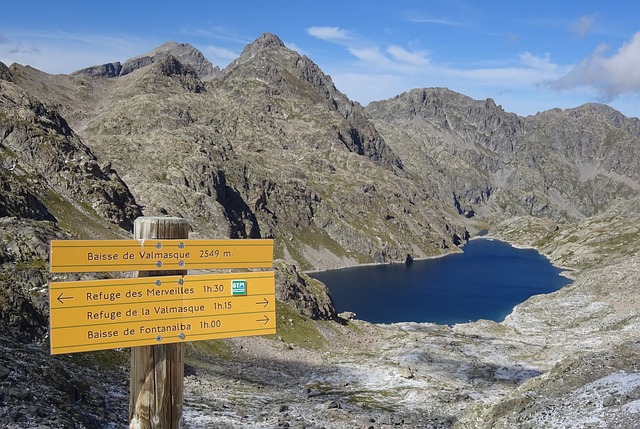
(157, 372)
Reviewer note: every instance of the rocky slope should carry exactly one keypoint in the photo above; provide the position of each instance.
(565, 165)
(40, 150)
(269, 147)
(585, 336)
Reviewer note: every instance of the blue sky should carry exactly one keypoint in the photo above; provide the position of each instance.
(527, 56)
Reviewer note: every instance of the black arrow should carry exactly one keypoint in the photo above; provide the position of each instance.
(263, 302)
(62, 298)
(265, 320)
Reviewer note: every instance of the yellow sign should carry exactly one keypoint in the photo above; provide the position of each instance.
(152, 255)
(103, 314)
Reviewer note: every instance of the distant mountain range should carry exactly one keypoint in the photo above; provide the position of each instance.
(269, 147)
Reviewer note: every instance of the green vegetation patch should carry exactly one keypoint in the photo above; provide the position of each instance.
(77, 220)
(378, 401)
(318, 239)
(297, 330)
(213, 348)
(35, 264)
(113, 359)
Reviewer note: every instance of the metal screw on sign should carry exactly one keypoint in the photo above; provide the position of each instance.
(181, 245)
(180, 282)
(159, 264)
(158, 245)
(158, 283)
(181, 264)
(181, 335)
(159, 338)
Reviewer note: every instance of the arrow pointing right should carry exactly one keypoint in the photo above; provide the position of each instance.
(265, 320)
(264, 302)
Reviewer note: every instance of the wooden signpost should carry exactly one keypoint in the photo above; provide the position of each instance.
(156, 312)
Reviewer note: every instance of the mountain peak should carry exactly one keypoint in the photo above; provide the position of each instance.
(265, 42)
(268, 40)
(183, 52)
(266, 47)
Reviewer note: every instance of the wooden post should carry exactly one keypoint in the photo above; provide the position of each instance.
(156, 387)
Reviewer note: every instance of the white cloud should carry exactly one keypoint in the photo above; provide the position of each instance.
(371, 56)
(379, 72)
(366, 87)
(413, 58)
(421, 19)
(505, 77)
(374, 60)
(394, 59)
(330, 34)
(383, 78)
(219, 32)
(369, 53)
(611, 76)
(537, 62)
(583, 24)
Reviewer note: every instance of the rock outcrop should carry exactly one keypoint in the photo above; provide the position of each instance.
(40, 149)
(308, 296)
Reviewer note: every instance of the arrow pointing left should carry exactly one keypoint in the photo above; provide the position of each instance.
(62, 298)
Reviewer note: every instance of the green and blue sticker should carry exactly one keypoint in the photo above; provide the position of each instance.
(238, 287)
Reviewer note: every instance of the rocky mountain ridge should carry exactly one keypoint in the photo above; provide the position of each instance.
(564, 165)
(183, 52)
(204, 151)
(269, 147)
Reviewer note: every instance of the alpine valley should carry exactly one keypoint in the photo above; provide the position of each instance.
(268, 147)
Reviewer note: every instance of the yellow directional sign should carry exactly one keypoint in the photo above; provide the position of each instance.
(97, 293)
(102, 314)
(115, 335)
(153, 255)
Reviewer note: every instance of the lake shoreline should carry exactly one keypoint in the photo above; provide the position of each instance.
(375, 264)
(486, 283)
(566, 272)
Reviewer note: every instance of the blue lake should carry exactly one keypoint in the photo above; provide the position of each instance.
(484, 282)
